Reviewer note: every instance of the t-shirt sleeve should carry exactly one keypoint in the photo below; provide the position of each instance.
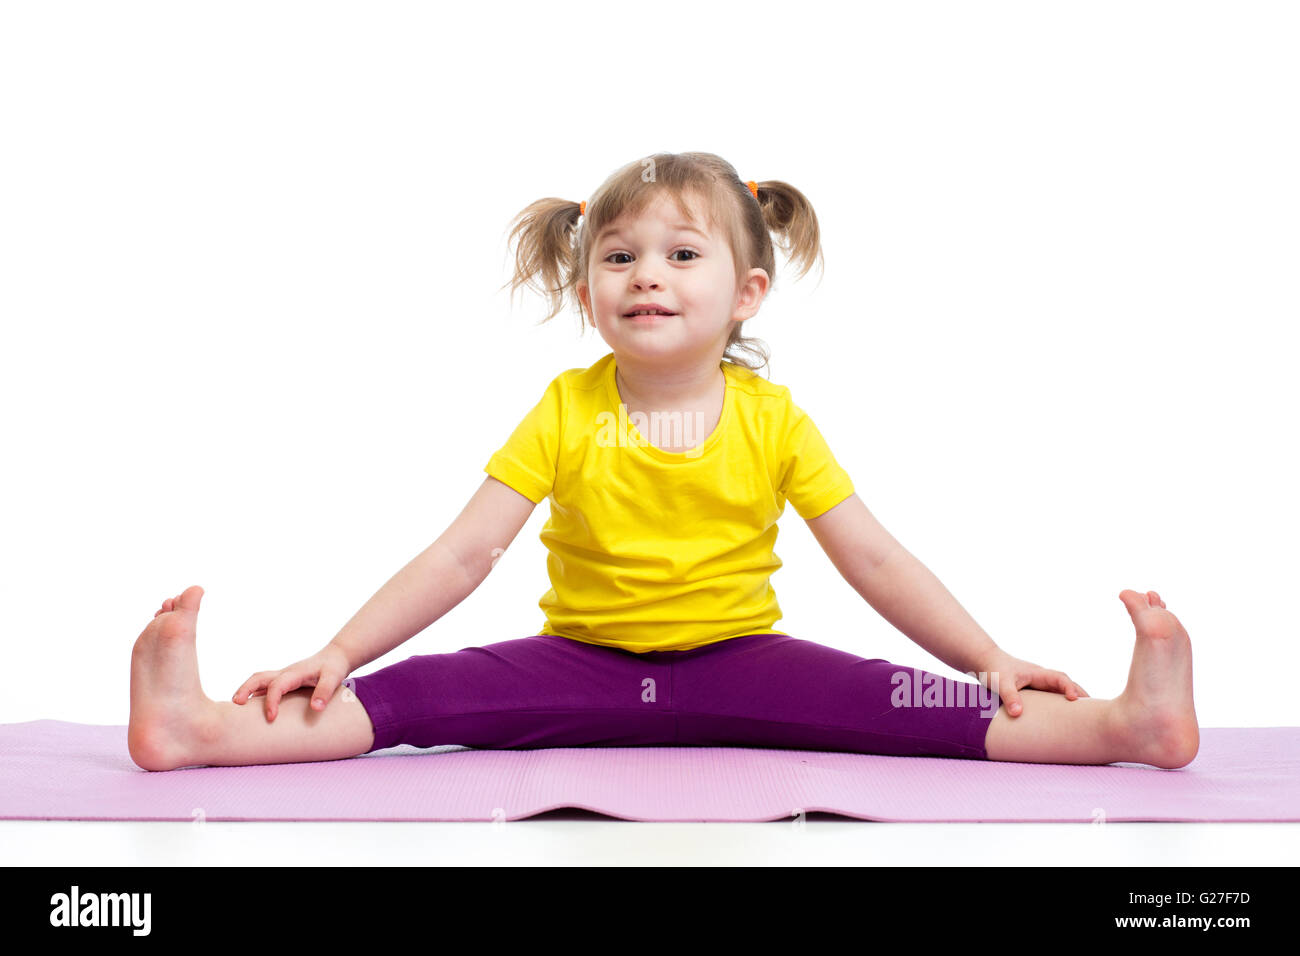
(527, 461)
(811, 479)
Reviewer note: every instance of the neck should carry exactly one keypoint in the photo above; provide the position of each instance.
(652, 387)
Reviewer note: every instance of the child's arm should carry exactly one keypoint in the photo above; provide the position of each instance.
(908, 595)
(901, 589)
(440, 577)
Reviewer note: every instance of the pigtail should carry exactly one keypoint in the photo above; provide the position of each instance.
(545, 257)
(789, 215)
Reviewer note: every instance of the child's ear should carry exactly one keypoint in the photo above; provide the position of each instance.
(754, 290)
(584, 298)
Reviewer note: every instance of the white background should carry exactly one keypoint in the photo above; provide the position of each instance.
(254, 337)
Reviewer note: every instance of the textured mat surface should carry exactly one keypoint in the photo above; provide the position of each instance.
(56, 770)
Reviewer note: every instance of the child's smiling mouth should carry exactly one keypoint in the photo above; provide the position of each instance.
(646, 310)
(648, 313)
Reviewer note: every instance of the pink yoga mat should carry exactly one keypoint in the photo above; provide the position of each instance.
(56, 770)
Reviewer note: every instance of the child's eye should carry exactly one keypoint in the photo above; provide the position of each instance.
(695, 254)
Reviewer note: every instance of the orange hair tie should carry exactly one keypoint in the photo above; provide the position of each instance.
(582, 208)
(753, 188)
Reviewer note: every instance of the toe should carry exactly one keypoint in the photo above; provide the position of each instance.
(189, 598)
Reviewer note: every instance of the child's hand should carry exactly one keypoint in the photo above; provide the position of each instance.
(1011, 674)
(324, 670)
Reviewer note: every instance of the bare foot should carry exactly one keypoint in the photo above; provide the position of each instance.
(1157, 713)
(170, 714)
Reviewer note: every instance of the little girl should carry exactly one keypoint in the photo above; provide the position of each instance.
(667, 464)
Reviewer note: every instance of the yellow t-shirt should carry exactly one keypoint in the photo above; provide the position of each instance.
(653, 550)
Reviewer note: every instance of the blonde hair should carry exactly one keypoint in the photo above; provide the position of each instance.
(554, 238)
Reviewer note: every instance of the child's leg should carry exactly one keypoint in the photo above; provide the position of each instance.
(1052, 729)
(777, 691)
(773, 690)
(539, 691)
(174, 724)
(533, 692)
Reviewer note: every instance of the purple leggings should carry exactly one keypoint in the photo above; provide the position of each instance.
(761, 690)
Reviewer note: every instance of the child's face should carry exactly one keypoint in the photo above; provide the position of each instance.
(659, 259)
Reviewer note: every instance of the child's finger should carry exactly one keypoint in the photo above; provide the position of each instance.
(277, 689)
(250, 687)
(326, 684)
(1012, 701)
(1054, 681)
(1071, 690)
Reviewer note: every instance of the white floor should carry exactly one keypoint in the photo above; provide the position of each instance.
(572, 837)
